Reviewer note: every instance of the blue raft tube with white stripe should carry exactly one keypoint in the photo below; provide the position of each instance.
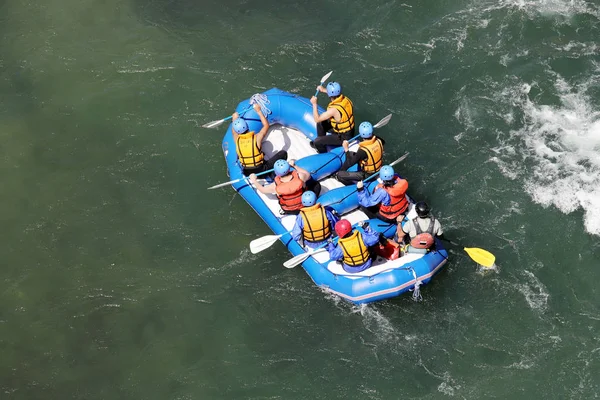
(292, 129)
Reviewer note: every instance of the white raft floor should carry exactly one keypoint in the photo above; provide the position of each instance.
(297, 146)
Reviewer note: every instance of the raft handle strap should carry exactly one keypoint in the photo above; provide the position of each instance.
(416, 296)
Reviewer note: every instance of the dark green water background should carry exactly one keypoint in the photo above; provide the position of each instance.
(122, 277)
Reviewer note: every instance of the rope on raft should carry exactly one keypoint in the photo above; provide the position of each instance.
(262, 100)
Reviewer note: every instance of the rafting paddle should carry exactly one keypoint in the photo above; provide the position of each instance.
(262, 243)
(480, 256)
(384, 121)
(240, 179)
(300, 258)
(218, 122)
(323, 79)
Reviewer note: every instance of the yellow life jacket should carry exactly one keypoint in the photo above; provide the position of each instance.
(248, 151)
(374, 149)
(346, 109)
(316, 225)
(354, 249)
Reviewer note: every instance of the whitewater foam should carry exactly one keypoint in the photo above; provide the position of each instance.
(559, 148)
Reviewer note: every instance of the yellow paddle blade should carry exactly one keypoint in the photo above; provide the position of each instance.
(481, 256)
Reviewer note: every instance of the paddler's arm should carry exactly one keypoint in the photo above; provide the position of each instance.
(440, 231)
(263, 132)
(297, 231)
(321, 89)
(366, 199)
(370, 236)
(330, 113)
(268, 189)
(331, 218)
(302, 173)
(234, 134)
(335, 252)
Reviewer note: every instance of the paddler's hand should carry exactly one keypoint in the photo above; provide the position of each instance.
(253, 178)
(257, 108)
(292, 163)
(235, 116)
(345, 146)
(360, 185)
(313, 101)
(321, 89)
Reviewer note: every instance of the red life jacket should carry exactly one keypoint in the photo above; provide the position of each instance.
(423, 240)
(290, 193)
(398, 201)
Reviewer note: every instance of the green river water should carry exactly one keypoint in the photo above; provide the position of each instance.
(122, 277)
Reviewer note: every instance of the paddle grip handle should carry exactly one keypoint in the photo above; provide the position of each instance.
(241, 112)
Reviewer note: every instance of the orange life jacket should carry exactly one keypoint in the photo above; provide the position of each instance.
(316, 225)
(398, 201)
(248, 151)
(355, 250)
(346, 109)
(290, 193)
(374, 149)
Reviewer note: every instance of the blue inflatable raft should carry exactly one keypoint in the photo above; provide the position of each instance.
(292, 128)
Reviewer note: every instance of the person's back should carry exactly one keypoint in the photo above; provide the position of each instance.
(373, 147)
(369, 156)
(289, 189)
(338, 118)
(315, 223)
(422, 230)
(388, 201)
(288, 186)
(353, 246)
(345, 108)
(248, 144)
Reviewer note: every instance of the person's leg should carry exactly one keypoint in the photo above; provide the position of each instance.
(255, 170)
(322, 142)
(280, 155)
(314, 186)
(370, 211)
(323, 127)
(384, 219)
(348, 135)
(349, 178)
(351, 159)
(288, 212)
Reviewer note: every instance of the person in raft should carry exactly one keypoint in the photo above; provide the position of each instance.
(388, 201)
(369, 156)
(249, 145)
(421, 230)
(353, 246)
(289, 185)
(339, 118)
(314, 225)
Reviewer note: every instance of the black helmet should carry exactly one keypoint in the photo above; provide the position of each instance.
(422, 209)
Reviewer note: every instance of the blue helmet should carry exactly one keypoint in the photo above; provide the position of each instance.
(333, 89)
(366, 130)
(240, 126)
(387, 173)
(281, 167)
(309, 198)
